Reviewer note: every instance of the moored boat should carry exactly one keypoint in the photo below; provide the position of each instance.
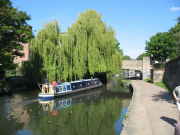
(69, 88)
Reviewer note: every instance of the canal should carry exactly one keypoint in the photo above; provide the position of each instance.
(95, 112)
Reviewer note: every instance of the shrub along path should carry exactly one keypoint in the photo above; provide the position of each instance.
(152, 111)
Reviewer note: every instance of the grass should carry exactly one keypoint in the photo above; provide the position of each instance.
(127, 80)
(126, 116)
(163, 85)
(160, 84)
(147, 80)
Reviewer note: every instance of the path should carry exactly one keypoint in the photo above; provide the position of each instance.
(152, 112)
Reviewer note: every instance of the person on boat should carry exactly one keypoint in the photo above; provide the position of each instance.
(54, 85)
(47, 85)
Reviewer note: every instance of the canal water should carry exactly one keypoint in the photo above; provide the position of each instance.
(95, 112)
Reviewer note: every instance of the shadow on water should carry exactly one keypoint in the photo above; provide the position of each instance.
(169, 120)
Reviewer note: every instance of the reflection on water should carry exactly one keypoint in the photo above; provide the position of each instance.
(97, 111)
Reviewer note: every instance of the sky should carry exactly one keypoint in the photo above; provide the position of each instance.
(134, 21)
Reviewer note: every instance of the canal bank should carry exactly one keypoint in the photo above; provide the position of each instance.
(152, 111)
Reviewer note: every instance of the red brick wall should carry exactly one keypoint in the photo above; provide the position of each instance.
(26, 51)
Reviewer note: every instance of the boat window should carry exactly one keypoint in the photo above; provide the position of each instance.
(64, 88)
(68, 87)
(60, 88)
(80, 85)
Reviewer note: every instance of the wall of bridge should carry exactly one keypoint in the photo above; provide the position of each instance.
(141, 65)
(132, 64)
(146, 67)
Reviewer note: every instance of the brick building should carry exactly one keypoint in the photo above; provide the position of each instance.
(26, 51)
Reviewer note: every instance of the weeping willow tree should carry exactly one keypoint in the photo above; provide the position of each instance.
(44, 52)
(88, 47)
(91, 46)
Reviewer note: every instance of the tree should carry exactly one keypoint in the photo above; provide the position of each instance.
(118, 48)
(88, 47)
(161, 46)
(140, 57)
(94, 45)
(13, 31)
(178, 19)
(175, 34)
(126, 57)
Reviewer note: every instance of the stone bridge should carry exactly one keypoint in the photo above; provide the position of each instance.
(141, 65)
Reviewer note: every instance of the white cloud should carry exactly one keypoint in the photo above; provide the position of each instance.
(175, 8)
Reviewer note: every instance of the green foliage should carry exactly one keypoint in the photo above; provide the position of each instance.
(118, 48)
(127, 80)
(126, 57)
(147, 80)
(126, 116)
(87, 47)
(46, 54)
(140, 57)
(175, 34)
(164, 86)
(161, 46)
(13, 30)
(11, 72)
(160, 84)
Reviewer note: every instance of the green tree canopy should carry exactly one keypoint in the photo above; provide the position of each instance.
(87, 47)
(161, 46)
(175, 34)
(126, 57)
(140, 57)
(13, 30)
(117, 46)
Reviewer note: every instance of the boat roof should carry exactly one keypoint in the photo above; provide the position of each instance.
(84, 80)
(68, 83)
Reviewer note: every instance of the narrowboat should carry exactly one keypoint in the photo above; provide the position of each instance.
(68, 88)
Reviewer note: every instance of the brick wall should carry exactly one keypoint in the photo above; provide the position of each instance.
(26, 51)
(157, 75)
(18, 59)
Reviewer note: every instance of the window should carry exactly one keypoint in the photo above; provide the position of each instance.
(64, 88)
(22, 56)
(60, 89)
(15, 58)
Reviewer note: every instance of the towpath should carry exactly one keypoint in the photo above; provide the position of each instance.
(152, 111)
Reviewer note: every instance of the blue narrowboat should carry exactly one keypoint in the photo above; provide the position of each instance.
(68, 88)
